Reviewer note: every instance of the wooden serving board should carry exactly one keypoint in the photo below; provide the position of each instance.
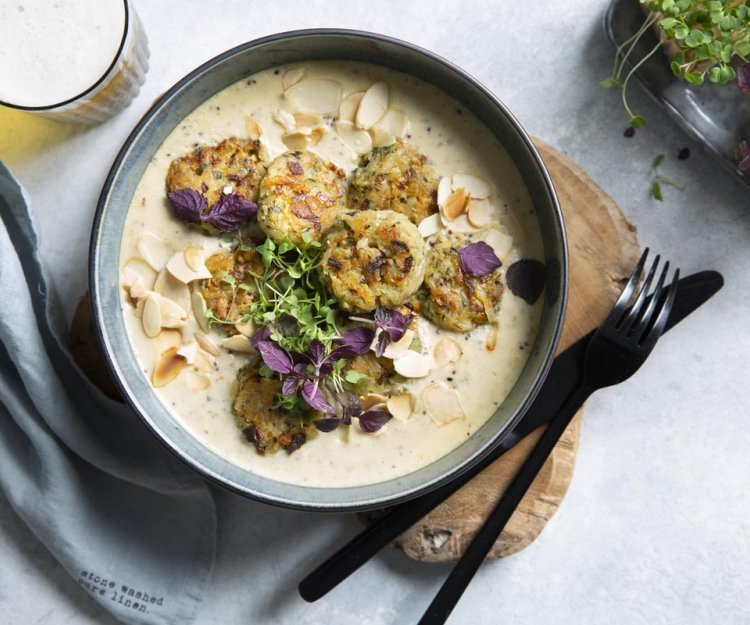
(603, 251)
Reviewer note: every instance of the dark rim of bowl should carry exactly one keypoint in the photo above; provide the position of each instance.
(550, 349)
(102, 78)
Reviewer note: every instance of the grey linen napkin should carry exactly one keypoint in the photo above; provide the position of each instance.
(134, 527)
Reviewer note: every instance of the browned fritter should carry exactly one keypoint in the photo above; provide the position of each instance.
(230, 303)
(396, 177)
(455, 300)
(266, 427)
(379, 372)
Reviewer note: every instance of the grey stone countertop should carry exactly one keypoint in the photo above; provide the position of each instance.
(656, 525)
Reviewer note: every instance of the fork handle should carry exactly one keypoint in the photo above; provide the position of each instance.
(461, 575)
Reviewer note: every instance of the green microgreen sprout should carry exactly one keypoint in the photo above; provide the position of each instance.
(659, 179)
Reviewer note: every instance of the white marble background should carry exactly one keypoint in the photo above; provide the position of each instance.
(655, 526)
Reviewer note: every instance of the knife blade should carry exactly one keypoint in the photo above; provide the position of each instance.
(693, 291)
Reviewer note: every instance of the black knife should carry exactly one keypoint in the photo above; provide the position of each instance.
(693, 291)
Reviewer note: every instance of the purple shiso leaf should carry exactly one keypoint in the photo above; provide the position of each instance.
(392, 322)
(275, 357)
(261, 334)
(188, 205)
(383, 340)
(313, 395)
(373, 420)
(317, 352)
(230, 212)
(353, 343)
(478, 259)
(291, 384)
(525, 279)
(327, 425)
(743, 78)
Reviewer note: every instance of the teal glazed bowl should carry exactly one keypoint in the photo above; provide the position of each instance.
(169, 111)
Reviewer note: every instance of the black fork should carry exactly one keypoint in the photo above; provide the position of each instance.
(616, 351)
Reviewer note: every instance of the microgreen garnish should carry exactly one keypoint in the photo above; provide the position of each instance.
(478, 259)
(226, 215)
(660, 179)
(525, 279)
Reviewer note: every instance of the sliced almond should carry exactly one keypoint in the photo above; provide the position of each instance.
(359, 140)
(394, 122)
(443, 191)
(429, 225)
(207, 344)
(138, 310)
(151, 315)
(172, 314)
(137, 270)
(399, 348)
(442, 404)
(401, 406)
(446, 351)
(153, 250)
(461, 224)
(177, 265)
(349, 105)
(413, 365)
(478, 188)
(167, 338)
(284, 119)
(455, 204)
(246, 329)
(479, 212)
(205, 362)
(371, 400)
(295, 140)
(189, 352)
(197, 382)
(167, 368)
(194, 257)
(292, 77)
(373, 106)
(380, 137)
(237, 343)
(171, 288)
(315, 95)
(199, 307)
(137, 288)
(254, 131)
(500, 242)
(306, 122)
(316, 135)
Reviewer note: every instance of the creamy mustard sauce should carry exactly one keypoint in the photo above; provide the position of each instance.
(455, 142)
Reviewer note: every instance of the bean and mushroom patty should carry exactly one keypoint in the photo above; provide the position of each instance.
(233, 162)
(454, 299)
(301, 193)
(396, 177)
(371, 259)
(262, 424)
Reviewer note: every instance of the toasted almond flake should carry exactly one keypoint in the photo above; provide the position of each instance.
(359, 140)
(254, 131)
(413, 365)
(167, 338)
(349, 105)
(514, 228)
(284, 119)
(429, 225)
(177, 266)
(153, 250)
(292, 77)
(306, 122)
(394, 122)
(316, 135)
(206, 362)
(401, 406)
(171, 288)
(137, 289)
(446, 351)
(443, 191)
(295, 140)
(189, 352)
(198, 304)
(207, 344)
(237, 343)
(474, 186)
(380, 137)
(373, 105)
(167, 368)
(399, 348)
(315, 95)
(442, 404)
(194, 258)
(151, 315)
(455, 204)
(197, 382)
(500, 242)
(479, 212)
(371, 400)
(461, 224)
(172, 314)
(246, 329)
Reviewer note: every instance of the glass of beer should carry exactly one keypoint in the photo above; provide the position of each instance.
(78, 61)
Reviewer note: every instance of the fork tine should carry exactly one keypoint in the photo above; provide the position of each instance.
(637, 308)
(622, 302)
(644, 323)
(657, 328)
